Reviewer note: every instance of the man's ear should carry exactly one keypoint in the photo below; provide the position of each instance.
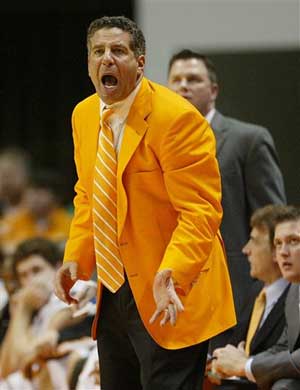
(274, 255)
(141, 64)
(214, 91)
(88, 65)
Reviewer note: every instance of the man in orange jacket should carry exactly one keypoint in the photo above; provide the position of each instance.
(172, 292)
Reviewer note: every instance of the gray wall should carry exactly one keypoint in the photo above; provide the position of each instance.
(214, 25)
(255, 47)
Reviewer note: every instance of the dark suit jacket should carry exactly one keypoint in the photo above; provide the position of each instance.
(283, 359)
(251, 179)
(268, 334)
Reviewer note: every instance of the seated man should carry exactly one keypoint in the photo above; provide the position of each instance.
(259, 330)
(34, 305)
(39, 320)
(41, 215)
(278, 367)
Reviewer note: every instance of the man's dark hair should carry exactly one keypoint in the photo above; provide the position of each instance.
(47, 249)
(137, 42)
(266, 218)
(187, 54)
(288, 213)
(48, 180)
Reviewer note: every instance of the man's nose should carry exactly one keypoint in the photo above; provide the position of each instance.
(284, 249)
(28, 279)
(183, 84)
(245, 250)
(107, 57)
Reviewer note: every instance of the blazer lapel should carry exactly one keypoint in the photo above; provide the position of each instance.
(270, 322)
(92, 134)
(134, 131)
(292, 316)
(218, 125)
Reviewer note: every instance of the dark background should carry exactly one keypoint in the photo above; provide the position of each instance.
(44, 74)
(263, 87)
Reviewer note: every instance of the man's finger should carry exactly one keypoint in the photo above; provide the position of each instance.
(59, 290)
(73, 271)
(165, 318)
(154, 316)
(172, 309)
(60, 293)
(177, 302)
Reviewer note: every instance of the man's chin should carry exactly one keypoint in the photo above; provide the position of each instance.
(109, 95)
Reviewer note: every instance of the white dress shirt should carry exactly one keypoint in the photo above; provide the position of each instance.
(209, 116)
(118, 119)
(273, 293)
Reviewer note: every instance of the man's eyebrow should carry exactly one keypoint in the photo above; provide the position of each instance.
(289, 236)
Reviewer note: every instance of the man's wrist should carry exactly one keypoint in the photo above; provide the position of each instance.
(248, 372)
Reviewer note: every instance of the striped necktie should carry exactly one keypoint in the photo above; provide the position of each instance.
(257, 312)
(110, 269)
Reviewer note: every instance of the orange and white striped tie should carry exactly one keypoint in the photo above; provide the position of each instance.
(110, 268)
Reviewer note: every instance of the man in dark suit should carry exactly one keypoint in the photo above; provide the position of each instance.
(248, 162)
(278, 368)
(261, 256)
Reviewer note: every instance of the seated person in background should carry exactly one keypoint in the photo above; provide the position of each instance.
(39, 320)
(89, 377)
(33, 306)
(41, 215)
(262, 321)
(3, 292)
(14, 176)
(278, 367)
(8, 285)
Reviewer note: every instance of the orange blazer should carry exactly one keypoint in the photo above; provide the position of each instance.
(169, 211)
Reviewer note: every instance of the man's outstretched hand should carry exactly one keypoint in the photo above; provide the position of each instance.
(166, 298)
(65, 278)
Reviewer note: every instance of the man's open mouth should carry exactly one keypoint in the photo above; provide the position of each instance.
(109, 81)
(286, 264)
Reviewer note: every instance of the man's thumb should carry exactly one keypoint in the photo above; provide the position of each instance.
(73, 272)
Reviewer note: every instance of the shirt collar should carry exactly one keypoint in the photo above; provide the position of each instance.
(275, 289)
(121, 108)
(209, 116)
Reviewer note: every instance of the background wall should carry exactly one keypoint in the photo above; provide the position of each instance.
(255, 46)
(215, 25)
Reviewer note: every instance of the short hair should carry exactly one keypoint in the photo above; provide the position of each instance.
(266, 218)
(137, 42)
(47, 249)
(48, 180)
(19, 157)
(288, 213)
(187, 54)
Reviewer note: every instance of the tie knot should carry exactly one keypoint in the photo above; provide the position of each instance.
(262, 296)
(106, 114)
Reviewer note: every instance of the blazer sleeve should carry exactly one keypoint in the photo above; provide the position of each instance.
(263, 177)
(192, 180)
(80, 246)
(276, 363)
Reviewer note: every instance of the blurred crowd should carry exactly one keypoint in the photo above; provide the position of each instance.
(44, 343)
